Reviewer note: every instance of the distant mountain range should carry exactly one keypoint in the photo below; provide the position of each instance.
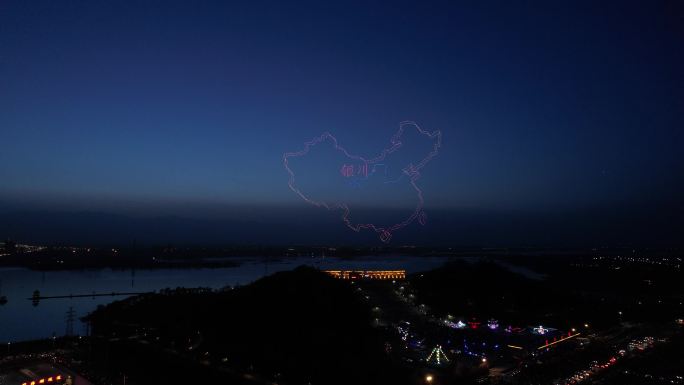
(614, 227)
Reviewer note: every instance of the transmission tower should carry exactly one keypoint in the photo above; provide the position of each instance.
(70, 321)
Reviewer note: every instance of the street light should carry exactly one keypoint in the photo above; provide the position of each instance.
(428, 378)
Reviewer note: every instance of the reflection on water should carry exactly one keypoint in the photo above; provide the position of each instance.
(21, 320)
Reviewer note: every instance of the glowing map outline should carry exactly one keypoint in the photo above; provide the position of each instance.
(412, 171)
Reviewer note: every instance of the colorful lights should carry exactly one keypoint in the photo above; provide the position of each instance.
(348, 170)
(597, 367)
(584, 374)
(438, 354)
(455, 325)
(513, 329)
(493, 324)
(547, 344)
(404, 330)
(641, 344)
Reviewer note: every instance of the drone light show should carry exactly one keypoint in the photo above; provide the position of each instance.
(348, 176)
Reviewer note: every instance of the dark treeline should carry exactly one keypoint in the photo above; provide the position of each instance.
(571, 294)
(299, 327)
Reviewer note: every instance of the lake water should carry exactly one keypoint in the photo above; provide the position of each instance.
(20, 320)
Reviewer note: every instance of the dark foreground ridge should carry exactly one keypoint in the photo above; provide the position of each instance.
(297, 327)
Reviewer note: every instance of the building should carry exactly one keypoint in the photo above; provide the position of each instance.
(368, 274)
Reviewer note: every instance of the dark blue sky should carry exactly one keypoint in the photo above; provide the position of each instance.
(171, 107)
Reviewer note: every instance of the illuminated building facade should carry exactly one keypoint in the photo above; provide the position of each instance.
(368, 274)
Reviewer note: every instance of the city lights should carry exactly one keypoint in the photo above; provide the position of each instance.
(438, 354)
(367, 274)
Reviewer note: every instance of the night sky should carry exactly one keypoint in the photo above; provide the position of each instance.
(562, 122)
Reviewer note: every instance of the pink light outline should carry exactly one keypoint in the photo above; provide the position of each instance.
(413, 171)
